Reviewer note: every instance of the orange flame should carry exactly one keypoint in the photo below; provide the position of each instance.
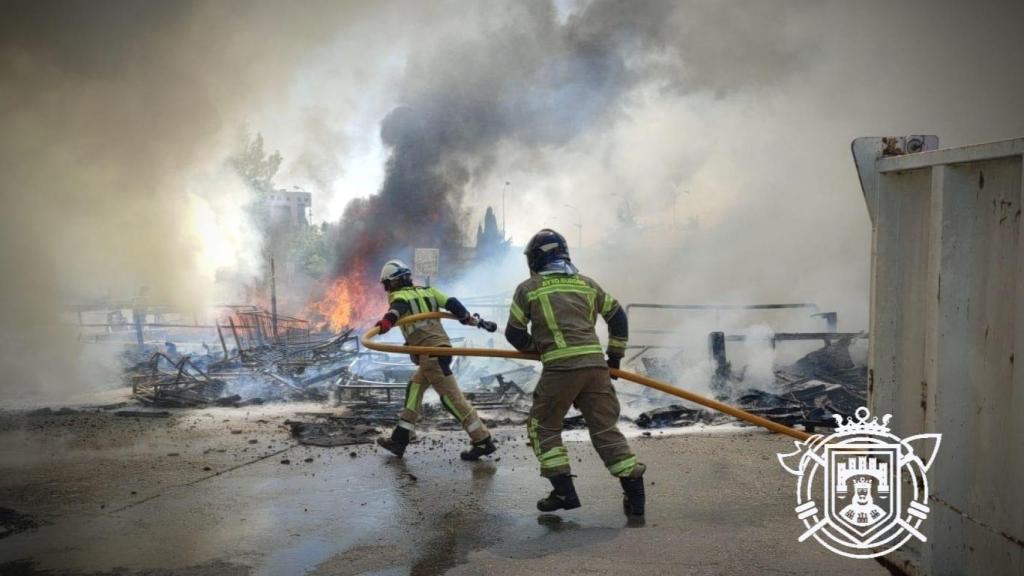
(352, 301)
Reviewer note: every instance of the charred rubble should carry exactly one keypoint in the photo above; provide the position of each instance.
(330, 369)
(291, 364)
(370, 386)
(808, 393)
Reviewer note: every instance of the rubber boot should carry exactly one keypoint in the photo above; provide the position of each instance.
(633, 498)
(563, 497)
(478, 449)
(397, 443)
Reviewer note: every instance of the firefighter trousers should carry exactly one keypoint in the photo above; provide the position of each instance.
(435, 373)
(590, 391)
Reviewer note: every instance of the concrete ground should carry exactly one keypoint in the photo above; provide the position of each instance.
(227, 491)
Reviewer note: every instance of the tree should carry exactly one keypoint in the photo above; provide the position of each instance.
(308, 249)
(257, 169)
(490, 242)
(254, 165)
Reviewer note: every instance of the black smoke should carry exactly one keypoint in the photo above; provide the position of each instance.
(521, 75)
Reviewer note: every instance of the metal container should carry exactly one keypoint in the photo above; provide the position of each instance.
(947, 326)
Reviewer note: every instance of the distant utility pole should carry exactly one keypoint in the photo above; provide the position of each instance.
(273, 299)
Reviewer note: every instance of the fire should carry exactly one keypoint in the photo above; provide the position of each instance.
(351, 301)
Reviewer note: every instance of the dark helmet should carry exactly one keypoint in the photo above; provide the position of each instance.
(395, 274)
(544, 247)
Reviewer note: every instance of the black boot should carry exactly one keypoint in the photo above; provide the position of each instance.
(481, 448)
(397, 443)
(563, 497)
(633, 498)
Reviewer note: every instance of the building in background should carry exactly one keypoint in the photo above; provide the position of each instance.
(290, 208)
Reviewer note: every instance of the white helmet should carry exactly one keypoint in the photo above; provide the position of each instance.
(393, 270)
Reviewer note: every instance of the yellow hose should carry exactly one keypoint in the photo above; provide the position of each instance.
(642, 380)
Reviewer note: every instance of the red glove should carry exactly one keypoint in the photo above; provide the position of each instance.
(384, 324)
(467, 321)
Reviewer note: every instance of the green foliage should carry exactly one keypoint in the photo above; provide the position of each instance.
(308, 249)
(306, 246)
(254, 165)
(257, 169)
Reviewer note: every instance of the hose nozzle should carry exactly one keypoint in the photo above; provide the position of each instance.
(484, 324)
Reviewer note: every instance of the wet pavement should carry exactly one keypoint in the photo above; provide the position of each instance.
(207, 492)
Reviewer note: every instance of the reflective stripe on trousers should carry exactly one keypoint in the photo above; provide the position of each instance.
(591, 391)
(430, 374)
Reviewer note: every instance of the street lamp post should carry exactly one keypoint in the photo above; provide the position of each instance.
(503, 190)
(579, 225)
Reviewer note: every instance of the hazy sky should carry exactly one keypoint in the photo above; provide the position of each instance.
(703, 146)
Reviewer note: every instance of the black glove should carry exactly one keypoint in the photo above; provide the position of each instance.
(613, 362)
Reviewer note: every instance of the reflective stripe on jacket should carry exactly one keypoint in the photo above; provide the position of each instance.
(561, 310)
(417, 299)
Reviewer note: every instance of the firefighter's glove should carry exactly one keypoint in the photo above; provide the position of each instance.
(467, 320)
(384, 324)
(613, 362)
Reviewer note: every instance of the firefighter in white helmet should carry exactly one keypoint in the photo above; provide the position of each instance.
(405, 299)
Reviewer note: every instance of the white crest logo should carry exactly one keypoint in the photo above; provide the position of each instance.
(858, 474)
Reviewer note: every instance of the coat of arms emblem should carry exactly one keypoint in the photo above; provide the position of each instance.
(862, 491)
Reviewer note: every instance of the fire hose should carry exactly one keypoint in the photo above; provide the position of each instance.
(367, 341)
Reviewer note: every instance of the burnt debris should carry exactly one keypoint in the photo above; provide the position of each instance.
(676, 415)
(332, 431)
(251, 375)
(329, 369)
(808, 393)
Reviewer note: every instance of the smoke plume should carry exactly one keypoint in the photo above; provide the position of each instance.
(116, 119)
(517, 75)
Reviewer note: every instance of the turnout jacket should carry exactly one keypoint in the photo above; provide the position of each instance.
(561, 311)
(417, 299)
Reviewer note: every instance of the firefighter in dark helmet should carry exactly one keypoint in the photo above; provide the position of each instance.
(435, 372)
(553, 314)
